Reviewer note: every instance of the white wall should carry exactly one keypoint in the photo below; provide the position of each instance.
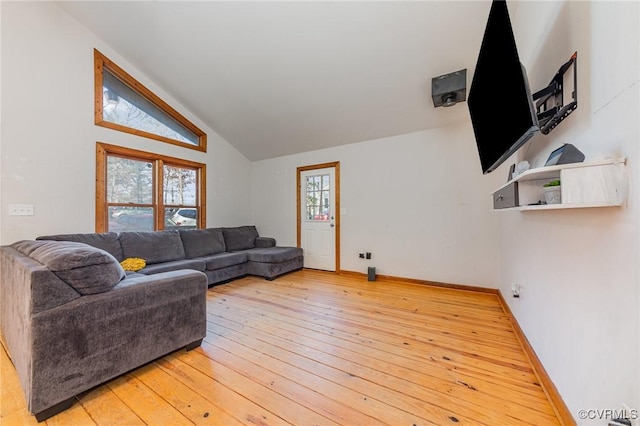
(579, 268)
(418, 202)
(48, 134)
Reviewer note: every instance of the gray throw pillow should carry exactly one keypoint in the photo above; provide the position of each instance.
(240, 238)
(153, 247)
(107, 241)
(89, 270)
(202, 242)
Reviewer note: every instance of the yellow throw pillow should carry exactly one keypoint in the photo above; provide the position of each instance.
(133, 264)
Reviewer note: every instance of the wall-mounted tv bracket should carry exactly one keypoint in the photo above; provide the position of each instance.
(550, 106)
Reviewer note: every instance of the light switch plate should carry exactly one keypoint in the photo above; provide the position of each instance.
(21, 210)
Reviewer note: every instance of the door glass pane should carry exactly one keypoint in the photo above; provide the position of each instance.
(317, 200)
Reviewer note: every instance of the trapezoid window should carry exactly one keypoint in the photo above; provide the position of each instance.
(124, 104)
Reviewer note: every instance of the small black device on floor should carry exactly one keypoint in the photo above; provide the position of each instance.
(371, 273)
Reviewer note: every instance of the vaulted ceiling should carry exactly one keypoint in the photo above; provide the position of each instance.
(278, 78)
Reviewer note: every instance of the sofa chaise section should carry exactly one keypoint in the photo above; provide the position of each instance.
(273, 261)
(264, 258)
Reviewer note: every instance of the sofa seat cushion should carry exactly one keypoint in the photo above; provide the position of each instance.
(153, 247)
(107, 241)
(89, 270)
(240, 238)
(273, 254)
(202, 242)
(223, 260)
(175, 265)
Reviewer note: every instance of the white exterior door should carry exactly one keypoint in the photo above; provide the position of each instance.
(317, 218)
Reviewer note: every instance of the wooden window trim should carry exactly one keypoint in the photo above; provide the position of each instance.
(101, 62)
(103, 150)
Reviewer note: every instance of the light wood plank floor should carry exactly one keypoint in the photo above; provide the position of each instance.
(314, 348)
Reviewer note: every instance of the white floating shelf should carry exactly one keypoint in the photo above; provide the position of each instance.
(584, 185)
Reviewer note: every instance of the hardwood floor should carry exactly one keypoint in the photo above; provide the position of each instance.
(315, 348)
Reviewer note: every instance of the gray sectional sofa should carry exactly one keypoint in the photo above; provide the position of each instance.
(71, 318)
(221, 253)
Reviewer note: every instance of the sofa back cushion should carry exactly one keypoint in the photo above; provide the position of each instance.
(202, 242)
(107, 241)
(89, 270)
(240, 238)
(153, 247)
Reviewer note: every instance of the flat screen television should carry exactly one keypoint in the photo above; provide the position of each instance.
(500, 104)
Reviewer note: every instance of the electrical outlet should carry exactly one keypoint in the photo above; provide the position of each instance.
(515, 290)
(368, 255)
(361, 255)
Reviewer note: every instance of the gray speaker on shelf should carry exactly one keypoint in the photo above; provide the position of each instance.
(566, 154)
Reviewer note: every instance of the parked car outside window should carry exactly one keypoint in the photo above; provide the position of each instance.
(132, 222)
(185, 217)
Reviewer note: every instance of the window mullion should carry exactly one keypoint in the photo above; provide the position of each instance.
(159, 194)
(201, 186)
